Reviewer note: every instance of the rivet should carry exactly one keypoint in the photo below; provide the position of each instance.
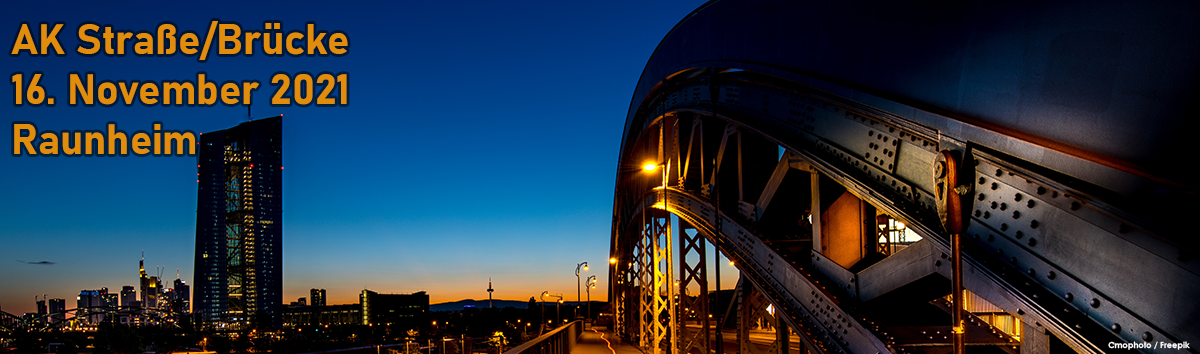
(1041, 190)
(1116, 328)
(1033, 224)
(994, 205)
(987, 215)
(1075, 205)
(1069, 297)
(1020, 235)
(1016, 215)
(1095, 303)
(1032, 242)
(1017, 197)
(999, 173)
(1003, 206)
(982, 180)
(1003, 227)
(1146, 337)
(1030, 204)
(995, 186)
(991, 238)
(982, 196)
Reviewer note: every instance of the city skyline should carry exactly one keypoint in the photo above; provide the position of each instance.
(458, 159)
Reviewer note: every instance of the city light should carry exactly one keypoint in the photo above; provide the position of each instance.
(650, 167)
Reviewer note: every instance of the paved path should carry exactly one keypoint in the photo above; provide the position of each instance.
(592, 341)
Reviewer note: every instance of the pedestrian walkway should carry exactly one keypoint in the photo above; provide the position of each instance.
(593, 341)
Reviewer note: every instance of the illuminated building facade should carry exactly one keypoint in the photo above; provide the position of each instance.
(183, 296)
(149, 290)
(85, 302)
(57, 310)
(239, 224)
(317, 296)
(405, 310)
(315, 315)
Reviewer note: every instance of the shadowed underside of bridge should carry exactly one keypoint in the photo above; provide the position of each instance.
(831, 149)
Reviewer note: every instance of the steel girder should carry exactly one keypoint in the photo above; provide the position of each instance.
(1075, 215)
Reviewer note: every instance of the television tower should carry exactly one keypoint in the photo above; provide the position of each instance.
(490, 292)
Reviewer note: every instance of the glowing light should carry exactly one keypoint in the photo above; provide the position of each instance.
(650, 167)
(612, 260)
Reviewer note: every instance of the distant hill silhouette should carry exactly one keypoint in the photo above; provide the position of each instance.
(482, 304)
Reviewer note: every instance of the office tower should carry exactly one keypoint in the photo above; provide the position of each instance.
(148, 291)
(406, 310)
(57, 308)
(41, 307)
(183, 294)
(107, 299)
(317, 296)
(239, 225)
(128, 295)
(85, 302)
(154, 290)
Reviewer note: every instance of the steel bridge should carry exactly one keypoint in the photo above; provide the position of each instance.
(859, 162)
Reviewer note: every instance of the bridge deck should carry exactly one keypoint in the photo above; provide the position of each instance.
(593, 341)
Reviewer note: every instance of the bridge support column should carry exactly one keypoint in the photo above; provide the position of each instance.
(656, 287)
(753, 314)
(1034, 340)
(692, 250)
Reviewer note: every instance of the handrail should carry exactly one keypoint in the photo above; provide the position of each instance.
(558, 341)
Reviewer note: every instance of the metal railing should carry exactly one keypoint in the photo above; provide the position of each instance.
(558, 341)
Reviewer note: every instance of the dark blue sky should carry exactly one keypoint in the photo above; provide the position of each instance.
(480, 141)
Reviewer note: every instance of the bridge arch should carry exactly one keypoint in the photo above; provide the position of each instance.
(786, 136)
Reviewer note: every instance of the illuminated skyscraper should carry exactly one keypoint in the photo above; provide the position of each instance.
(148, 291)
(128, 295)
(317, 296)
(239, 224)
(183, 294)
(57, 309)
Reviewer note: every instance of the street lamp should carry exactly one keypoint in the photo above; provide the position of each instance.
(557, 307)
(591, 285)
(584, 266)
(543, 297)
(651, 167)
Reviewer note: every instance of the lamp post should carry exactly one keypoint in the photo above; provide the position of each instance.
(591, 285)
(579, 266)
(651, 167)
(557, 308)
(541, 324)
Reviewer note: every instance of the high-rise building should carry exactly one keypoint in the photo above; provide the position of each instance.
(128, 295)
(149, 293)
(239, 224)
(106, 298)
(85, 303)
(41, 307)
(317, 296)
(183, 295)
(57, 308)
